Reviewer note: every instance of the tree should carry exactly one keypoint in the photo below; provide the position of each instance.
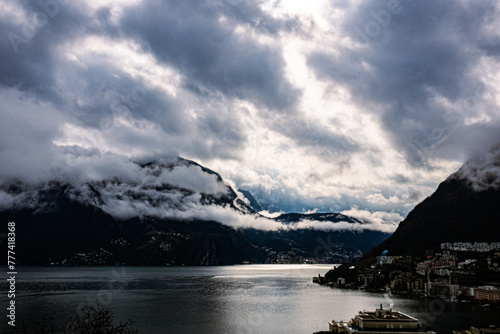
(97, 320)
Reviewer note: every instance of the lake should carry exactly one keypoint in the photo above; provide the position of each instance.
(228, 299)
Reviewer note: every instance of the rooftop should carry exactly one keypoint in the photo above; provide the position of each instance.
(385, 315)
(379, 321)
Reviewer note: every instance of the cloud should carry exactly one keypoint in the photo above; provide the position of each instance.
(172, 189)
(379, 199)
(27, 128)
(329, 105)
(482, 172)
(420, 70)
(330, 226)
(268, 214)
(13, 201)
(209, 49)
(378, 220)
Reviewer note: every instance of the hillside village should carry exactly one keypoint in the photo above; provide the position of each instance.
(459, 272)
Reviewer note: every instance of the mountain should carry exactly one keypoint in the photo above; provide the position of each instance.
(165, 212)
(340, 239)
(291, 218)
(254, 204)
(465, 207)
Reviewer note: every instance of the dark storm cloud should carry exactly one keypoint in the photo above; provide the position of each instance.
(101, 90)
(27, 129)
(401, 179)
(408, 52)
(218, 64)
(95, 91)
(222, 124)
(246, 11)
(28, 51)
(191, 37)
(316, 137)
(35, 62)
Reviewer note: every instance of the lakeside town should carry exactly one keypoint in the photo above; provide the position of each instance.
(458, 272)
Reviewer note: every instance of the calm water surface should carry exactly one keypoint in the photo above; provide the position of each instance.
(232, 299)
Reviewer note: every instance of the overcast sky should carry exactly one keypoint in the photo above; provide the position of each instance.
(360, 107)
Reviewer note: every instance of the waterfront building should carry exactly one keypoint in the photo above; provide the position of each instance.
(378, 322)
(441, 290)
(487, 293)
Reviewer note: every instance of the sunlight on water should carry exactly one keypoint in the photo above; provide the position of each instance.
(231, 299)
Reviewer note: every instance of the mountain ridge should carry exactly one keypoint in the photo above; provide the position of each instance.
(171, 212)
(464, 207)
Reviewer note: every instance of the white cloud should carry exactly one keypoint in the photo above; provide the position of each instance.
(268, 214)
(379, 199)
(378, 220)
(330, 226)
(483, 171)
